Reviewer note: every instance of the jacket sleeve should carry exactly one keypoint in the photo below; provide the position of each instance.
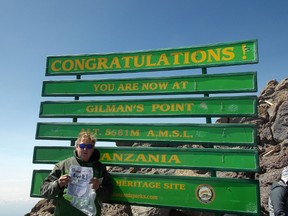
(105, 190)
(50, 188)
(278, 200)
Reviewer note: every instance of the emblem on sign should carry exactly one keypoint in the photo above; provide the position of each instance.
(205, 193)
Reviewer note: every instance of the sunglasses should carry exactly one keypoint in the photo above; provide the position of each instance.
(87, 146)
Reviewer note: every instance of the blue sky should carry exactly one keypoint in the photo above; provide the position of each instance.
(31, 30)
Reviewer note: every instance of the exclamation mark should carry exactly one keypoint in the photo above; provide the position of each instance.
(244, 51)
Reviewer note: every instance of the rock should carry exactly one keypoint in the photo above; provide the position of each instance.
(147, 211)
(280, 126)
(123, 143)
(269, 89)
(45, 207)
(116, 210)
(283, 85)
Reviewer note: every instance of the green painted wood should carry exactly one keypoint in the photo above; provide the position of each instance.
(224, 54)
(37, 178)
(178, 107)
(214, 83)
(176, 158)
(199, 193)
(219, 134)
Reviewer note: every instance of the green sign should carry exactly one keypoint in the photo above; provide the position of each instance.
(199, 193)
(215, 83)
(212, 159)
(38, 177)
(242, 52)
(220, 134)
(200, 107)
(217, 194)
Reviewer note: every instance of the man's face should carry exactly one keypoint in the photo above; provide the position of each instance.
(85, 149)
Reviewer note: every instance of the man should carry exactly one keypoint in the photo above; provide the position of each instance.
(55, 184)
(278, 202)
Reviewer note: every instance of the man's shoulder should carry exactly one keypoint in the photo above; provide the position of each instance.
(67, 161)
(99, 164)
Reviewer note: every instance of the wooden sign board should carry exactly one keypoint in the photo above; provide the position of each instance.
(198, 193)
(179, 107)
(242, 52)
(223, 134)
(212, 83)
(175, 158)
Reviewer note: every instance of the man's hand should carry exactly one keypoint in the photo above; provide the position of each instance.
(95, 184)
(63, 180)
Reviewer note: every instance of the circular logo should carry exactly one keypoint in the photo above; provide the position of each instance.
(205, 193)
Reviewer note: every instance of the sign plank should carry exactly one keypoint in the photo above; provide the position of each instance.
(220, 134)
(176, 158)
(178, 107)
(233, 53)
(200, 193)
(214, 83)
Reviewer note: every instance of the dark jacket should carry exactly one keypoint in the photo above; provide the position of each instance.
(50, 188)
(278, 202)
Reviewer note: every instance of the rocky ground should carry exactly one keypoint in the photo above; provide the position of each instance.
(272, 123)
